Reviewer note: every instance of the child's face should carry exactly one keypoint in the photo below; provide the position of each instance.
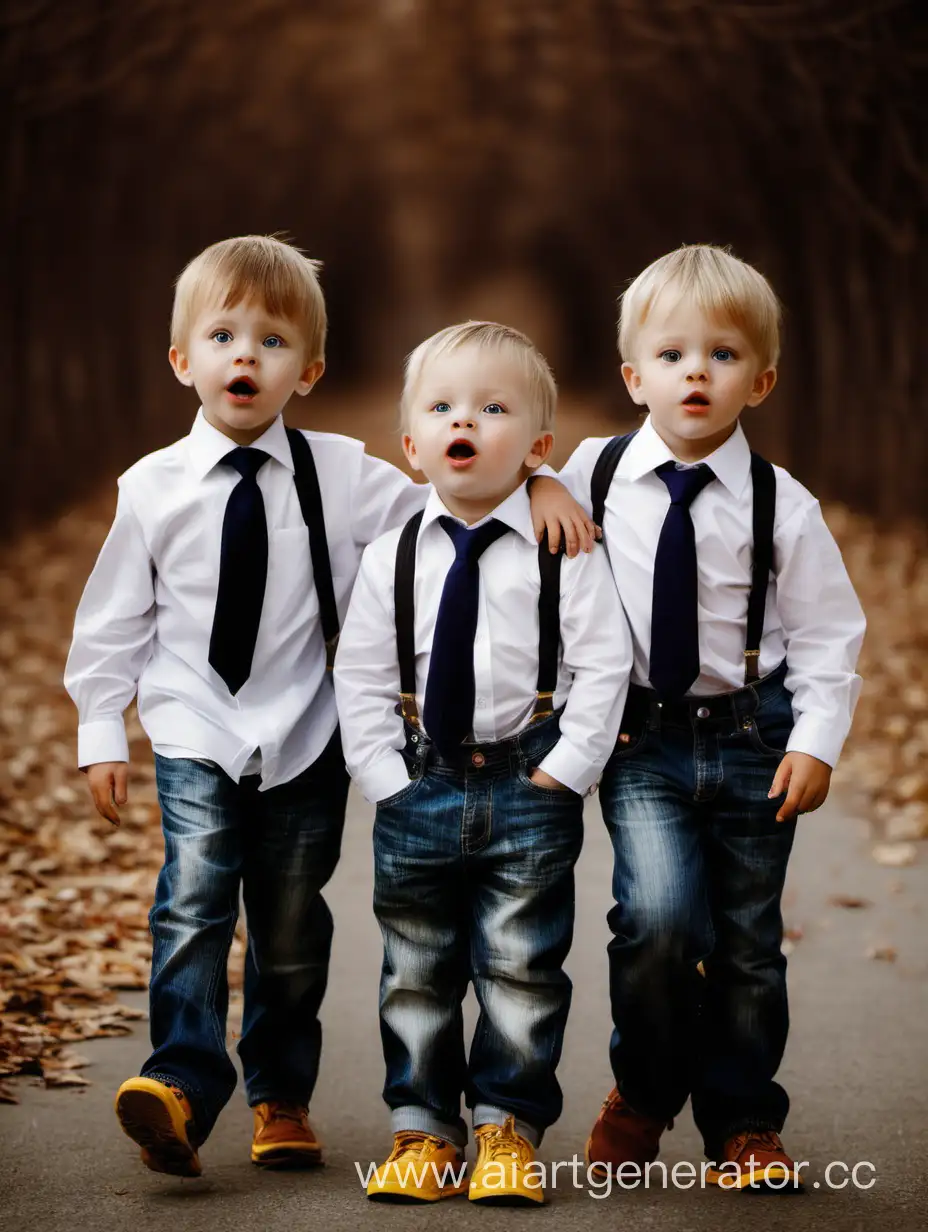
(471, 429)
(245, 365)
(695, 374)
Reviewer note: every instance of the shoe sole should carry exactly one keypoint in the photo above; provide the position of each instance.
(400, 1197)
(775, 1178)
(601, 1171)
(287, 1157)
(152, 1118)
(495, 1198)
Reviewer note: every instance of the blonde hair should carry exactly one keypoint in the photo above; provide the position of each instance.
(258, 267)
(487, 334)
(719, 284)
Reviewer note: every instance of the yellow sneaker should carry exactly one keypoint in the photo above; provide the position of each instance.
(159, 1118)
(283, 1137)
(420, 1168)
(503, 1175)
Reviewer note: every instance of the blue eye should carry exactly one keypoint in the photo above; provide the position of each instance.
(273, 340)
(723, 354)
(441, 407)
(494, 408)
(671, 356)
(222, 336)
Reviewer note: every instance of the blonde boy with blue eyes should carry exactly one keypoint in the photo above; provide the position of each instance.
(746, 634)
(217, 596)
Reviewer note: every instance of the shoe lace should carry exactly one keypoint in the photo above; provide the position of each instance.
(503, 1140)
(412, 1142)
(768, 1139)
(287, 1112)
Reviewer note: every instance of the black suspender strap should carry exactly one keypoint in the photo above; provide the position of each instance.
(603, 472)
(549, 636)
(404, 602)
(549, 629)
(310, 498)
(764, 480)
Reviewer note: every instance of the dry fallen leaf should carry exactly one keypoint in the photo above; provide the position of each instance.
(849, 901)
(882, 953)
(895, 855)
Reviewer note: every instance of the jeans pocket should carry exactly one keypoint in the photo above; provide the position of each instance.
(401, 796)
(559, 794)
(772, 742)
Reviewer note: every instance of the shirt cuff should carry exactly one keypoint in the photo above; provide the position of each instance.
(571, 767)
(102, 740)
(818, 738)
(384, 778)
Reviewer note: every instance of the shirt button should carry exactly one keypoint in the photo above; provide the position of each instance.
(478, 759)
(481, 703)
(702, 712)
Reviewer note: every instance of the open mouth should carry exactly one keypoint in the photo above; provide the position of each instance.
(696, 400)
(242, 387)
(461, 452)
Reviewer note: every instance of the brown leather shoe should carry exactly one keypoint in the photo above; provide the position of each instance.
(622, 1136)
(755, 1158)
(283, 1137)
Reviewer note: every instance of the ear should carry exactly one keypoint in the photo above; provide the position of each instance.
(541, 448)
(409, 449)
(181, 366)
(633, 384)
(310, 376)
(763, 384)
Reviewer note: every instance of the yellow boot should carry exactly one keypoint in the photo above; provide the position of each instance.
(159, 1118)
(420, 1168)
(504, 1175)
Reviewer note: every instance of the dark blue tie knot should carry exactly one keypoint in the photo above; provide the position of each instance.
(469, 545)
(685, 484)
(246, 461)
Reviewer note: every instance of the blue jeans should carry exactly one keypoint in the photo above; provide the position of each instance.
(279, 847)
(700, 863)
(474, 881)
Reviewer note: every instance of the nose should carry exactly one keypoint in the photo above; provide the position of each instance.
(697, 372)
(465, 422)
(246, 358)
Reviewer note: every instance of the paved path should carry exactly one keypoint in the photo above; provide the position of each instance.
(856, 1068)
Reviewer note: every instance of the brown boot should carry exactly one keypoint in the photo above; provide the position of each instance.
(622, 1136)
(755, 1157)
(283, 1137)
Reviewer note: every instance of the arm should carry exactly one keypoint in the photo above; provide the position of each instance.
(367, 684)
(384, 499)
(597, 651)
(113, 630)
(823, 624)
(573, 514)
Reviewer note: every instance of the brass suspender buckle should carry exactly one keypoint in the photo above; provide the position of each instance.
(543, 707)
(409, 709)
(330, 648)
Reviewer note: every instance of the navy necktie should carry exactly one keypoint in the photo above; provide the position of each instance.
(448, 712)
(674, 660)
(242, 572)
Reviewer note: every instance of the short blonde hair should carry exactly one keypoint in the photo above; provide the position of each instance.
(491, 335)
(259, 267)
(719, 284)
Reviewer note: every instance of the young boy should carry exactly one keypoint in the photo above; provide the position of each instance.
(479, 801)
(217, 596)
(746, 634)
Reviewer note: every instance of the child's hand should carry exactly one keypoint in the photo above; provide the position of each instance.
(545, 780)
(554, 510)
(808, 780)
(107, 781)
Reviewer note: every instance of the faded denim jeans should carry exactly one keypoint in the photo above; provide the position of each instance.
(279, 848)
(700, 862)
(474, 881)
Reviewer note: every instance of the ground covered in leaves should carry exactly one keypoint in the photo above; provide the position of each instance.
(75, 893)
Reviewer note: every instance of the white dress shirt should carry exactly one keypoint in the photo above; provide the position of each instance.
(813, 616)
(595, 655)
(146, 615)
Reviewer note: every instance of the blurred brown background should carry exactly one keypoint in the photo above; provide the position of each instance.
(518, 159)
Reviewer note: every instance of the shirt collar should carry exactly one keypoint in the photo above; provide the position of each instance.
(515, 511)
(731, 462)
(207, 446)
